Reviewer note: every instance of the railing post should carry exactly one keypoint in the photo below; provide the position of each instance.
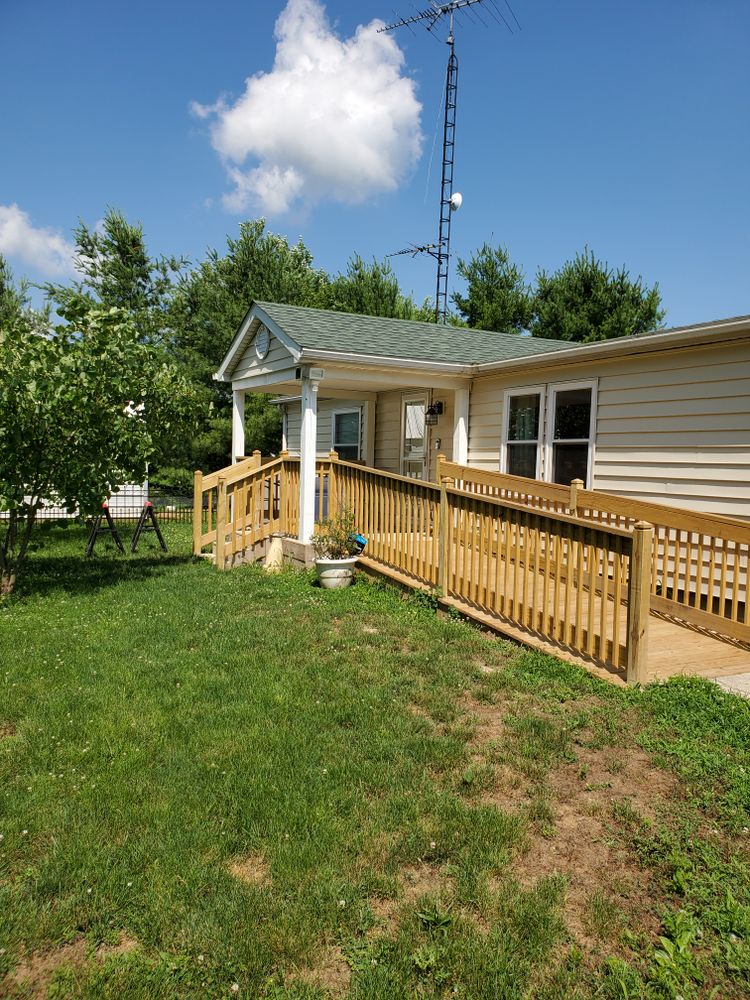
(444, 553)
(257, 459)
(333, 494)
(221, 522)
(283, 493)
(575, 486)
(197, 512)
(439, 467)
(639, 602)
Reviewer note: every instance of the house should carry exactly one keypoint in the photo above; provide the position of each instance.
(663, 416)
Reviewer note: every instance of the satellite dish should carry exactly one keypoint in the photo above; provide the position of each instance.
(457, 201)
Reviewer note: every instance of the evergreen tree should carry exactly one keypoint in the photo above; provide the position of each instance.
(497, 296)
(585, 300)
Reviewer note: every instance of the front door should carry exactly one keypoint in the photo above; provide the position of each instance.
(414, 438)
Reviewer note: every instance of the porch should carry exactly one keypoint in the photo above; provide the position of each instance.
(630, 591)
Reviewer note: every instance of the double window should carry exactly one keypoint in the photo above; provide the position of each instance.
(347, 434)
(549, 432)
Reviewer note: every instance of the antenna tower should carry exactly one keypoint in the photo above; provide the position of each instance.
(448, 202)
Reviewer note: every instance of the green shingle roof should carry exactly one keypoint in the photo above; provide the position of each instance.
(323, 330)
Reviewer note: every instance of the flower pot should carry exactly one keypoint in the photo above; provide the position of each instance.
(334, 574)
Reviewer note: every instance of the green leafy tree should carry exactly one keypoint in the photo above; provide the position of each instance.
(372, 290)
(83, 407)
(211, 301)
(586, 300)
(208, 307)
(117, 269)
(497, 296)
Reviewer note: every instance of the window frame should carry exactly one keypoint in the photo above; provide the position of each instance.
(549, 431)
(342, 411)
(528, 390)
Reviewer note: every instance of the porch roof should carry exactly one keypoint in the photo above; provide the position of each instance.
(324, 332)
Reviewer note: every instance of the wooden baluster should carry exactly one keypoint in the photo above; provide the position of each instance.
(617, 600)
(603, 630)
(517, 567)
(578, 632)
(197, 512)
(591, 608)
(221, 523)
(735, 580)
(569, 577)
(444, 558)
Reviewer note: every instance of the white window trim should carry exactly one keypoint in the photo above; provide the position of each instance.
(527, 390)
(361, 443)
(552, 389)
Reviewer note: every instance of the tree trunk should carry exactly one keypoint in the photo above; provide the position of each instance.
(14, 548)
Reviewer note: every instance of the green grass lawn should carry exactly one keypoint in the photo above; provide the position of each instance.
(230, 784)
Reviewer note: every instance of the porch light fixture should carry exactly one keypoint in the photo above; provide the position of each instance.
(432, 413)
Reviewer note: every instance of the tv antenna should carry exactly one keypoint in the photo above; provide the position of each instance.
(450, 201)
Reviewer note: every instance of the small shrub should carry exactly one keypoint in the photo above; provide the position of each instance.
(335, 537)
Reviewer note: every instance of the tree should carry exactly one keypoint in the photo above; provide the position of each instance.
(372, 290)
(211, 301)
(587, 301)
(497, 296)
(117, 270)
(83, 407)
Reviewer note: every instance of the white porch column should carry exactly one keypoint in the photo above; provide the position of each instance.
(238, 424)
(461, 427)
(307, 456)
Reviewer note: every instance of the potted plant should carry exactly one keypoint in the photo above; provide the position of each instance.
(336, 548)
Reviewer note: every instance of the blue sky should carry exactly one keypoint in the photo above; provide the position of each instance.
(622, 126)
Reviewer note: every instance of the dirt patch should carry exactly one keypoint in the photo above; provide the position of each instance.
(415, 881)
(574, 829)
(331, 974)
(584, 845)
(7, 729)
(490, 726)
(36, 972)
(252, 870)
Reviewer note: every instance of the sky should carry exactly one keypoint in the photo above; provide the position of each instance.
(621, 127)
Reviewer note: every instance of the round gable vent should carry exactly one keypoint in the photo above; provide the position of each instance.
(262, 341)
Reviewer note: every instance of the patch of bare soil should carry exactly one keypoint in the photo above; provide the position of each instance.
(415, 881)
(252, 870)
(7, 729)
(35, 973)
(331, 974)
(585, 846)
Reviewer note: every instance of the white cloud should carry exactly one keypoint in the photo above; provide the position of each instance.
(333, 120)
(44, 249)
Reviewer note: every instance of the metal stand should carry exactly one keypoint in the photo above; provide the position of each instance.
(97, 529)
(147, 522)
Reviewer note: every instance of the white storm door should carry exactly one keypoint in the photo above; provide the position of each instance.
(414, 437)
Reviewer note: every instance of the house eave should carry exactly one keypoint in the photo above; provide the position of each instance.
(677, 337)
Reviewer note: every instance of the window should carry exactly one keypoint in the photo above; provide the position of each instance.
(570, 432)
(523, 432)
(347, 434)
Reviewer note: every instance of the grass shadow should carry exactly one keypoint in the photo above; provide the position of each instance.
(73, 573)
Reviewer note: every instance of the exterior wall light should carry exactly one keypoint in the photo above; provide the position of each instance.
(432, 413)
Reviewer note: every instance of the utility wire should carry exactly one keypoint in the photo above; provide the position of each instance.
(507, 4)
(502, 16)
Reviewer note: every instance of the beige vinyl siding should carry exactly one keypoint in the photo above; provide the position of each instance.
(277, 359)
(326, 408)
(672, 427)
